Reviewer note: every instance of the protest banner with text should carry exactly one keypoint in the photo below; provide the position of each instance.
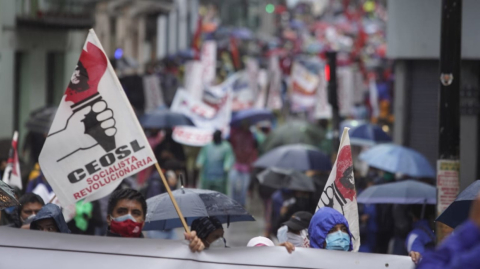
(95, 139)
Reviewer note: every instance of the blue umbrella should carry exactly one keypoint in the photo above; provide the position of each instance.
(397, 159)
(164, 119)
(194, 203)
(368, 135)
(402, 192)
(458, 211)
(299, 157)
(251, 115)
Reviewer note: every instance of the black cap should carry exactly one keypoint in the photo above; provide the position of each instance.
(299, 221)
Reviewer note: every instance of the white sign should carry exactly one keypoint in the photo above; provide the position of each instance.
(153, 93)
(304, 85)
(209, 62)
(447, 183)
(80, 252)
(95, 139)
(193, 79)
(192, 136)
(339, 192)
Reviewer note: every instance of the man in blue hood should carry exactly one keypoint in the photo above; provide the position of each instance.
(50, 219)
(329, 230)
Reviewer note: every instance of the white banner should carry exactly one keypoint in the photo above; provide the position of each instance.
(40, 250)
(202, 115)
(243, 97)
(193, 79)
(303, 88)
(339, 192)
(12, 174)
(209, 62)
(95, 139)
(192, 136)
(152, 92)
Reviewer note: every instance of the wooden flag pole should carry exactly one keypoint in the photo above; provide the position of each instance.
(174, 202)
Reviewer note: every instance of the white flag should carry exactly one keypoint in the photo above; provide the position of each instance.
(12, 174)
(339, 192)
(95, 139)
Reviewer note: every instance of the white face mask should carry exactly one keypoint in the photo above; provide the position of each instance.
(299, 240)
(29, 219)
(219, 243)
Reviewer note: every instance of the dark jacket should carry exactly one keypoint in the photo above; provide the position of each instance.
(51, 211)
(322, 222)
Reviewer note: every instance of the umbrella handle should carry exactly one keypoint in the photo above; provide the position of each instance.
(174, 202)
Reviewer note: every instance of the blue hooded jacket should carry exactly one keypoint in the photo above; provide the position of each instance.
(459, 250)
(322, 222)
(51, 211)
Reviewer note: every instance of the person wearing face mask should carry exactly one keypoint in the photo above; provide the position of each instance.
(126, 214)
(329, 229)
(210, 231)
(30, 205)
(50, 219)
(295, 230)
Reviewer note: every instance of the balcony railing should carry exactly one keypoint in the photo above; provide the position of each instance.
(55, 13)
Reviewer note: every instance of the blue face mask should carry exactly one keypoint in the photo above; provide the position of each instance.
(338, 241)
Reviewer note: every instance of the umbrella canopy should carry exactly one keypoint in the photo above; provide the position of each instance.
(294, 132)
(458, 211)
(368, 135)
(253, 116)
(194, 203)
(351, 124)
(397, 159)
(164, 119)
(7, 197)
(402, 192)
(40, 120)
(299, 157)
(286, 179)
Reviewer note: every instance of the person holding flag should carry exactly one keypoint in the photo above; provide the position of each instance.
(127, 209)
(340, 195)
(95, 141)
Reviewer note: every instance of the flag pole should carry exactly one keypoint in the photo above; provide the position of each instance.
(174, 202)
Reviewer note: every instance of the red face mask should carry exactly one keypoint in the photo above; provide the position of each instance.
(126, 228)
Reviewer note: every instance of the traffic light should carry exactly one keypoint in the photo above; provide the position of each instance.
(270, 8)
(331, 77)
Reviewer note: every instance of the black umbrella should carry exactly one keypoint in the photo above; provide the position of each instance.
(458, 211)
(194, 203)
(286, 179)
(7, 197)
(41, 119)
